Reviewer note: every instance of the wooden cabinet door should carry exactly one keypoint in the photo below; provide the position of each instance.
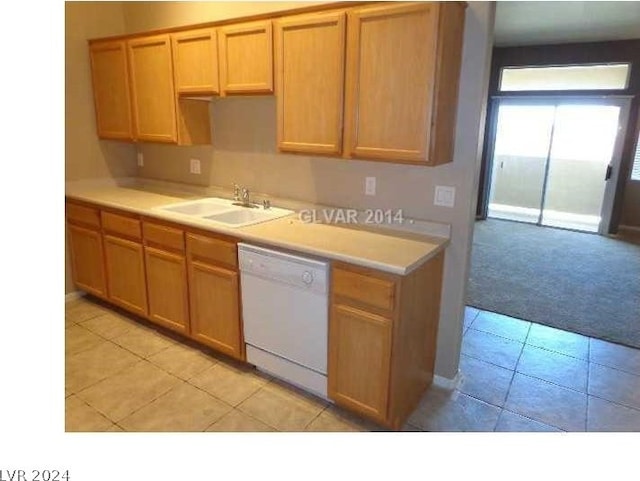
(195, 62)
(359, 360)
(154, 103)
(167, 289)
(310, 83)
(391, 63)
(87, 262)
(125, 274)
(111, 90)
(215, 317)
(246, 58)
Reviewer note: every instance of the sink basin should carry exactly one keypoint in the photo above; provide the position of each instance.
(199, 208)
(224, 211)
(242, 216)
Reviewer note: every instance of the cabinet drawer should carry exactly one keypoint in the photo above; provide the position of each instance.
(366, 289)
(163, 236)
(122, 225)
(81, 214)
(212, 249)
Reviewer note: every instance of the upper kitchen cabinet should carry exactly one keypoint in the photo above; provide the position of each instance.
(246, 58)
(310, 82)
(195, 62)
(111, 90)
(403, 65)
(154, 103)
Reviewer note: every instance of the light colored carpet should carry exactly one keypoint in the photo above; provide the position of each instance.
(582, 283)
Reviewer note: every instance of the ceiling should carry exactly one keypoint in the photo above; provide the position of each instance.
(544, 22)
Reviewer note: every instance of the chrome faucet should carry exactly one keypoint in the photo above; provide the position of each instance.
(241, 197)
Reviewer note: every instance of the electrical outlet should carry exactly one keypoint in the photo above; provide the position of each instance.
(140, 159)
(370, 186)
(445, 196)
(194, 166)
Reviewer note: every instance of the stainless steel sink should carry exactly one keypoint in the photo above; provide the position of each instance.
(224, 212)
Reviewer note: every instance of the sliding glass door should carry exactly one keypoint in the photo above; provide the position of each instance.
(521, 150)
(555, 162)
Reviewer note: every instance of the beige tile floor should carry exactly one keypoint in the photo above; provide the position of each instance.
(123, 374)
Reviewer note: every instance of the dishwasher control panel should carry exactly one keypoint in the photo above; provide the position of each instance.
(283, 267)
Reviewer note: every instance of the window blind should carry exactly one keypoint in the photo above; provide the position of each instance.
(635, 169)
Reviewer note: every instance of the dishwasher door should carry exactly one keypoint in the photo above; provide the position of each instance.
(285, 314)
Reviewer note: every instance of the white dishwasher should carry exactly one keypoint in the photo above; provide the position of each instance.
(285, 306)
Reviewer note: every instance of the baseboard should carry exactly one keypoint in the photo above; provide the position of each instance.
(72, 296)
(446, 383)
(631, 228)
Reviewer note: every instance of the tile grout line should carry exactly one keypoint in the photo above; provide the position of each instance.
(108, 377)
(134, 325)
(244, 414)
(534, 420)
(314, 418)
(212, 395)
(529, 375)
(520, 414)
(123, 429)
(633, 408)
(150, 402)
(112, 340)
(253, 417)
(561, 353)
(580, 392)
(502, 408)
(88, 318)
(496, 335)
(100, 413)
(122, 370)
(187, 381)
(472, 320)
(556, 383)
(552, 383)
(586, 415)
(589, 339)
(488, 362)
(217, 420)
(613, 368)
(286, 388)
(513, 376)
(216, 397)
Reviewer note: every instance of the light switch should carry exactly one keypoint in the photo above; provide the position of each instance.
(194, 166)
(140, 159)
(445, 196)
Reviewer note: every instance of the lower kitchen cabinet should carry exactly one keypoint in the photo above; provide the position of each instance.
(382, 327)
(87, 260)
(360, 357)
(167, 289)
(382, 339)
(214, 294)
(125, 274)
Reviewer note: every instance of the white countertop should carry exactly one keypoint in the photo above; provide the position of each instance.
(384, 248)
